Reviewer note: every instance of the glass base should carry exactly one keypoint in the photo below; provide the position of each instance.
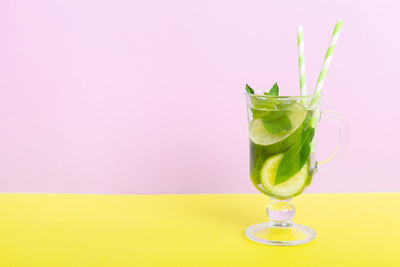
(279, 234)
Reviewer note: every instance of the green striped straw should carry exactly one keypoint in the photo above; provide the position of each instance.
(324, 71)
(302, 64)
(328, 57)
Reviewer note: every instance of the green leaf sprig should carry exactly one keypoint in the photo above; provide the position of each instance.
(296, 156)
(271, 111)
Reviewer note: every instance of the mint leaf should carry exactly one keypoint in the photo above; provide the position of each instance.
(277, 125)
(249, 89)
(296, 156)
(262, 103)
(259, 113)
(261, 107)
(275, 115)
(284, 104)
(274, 90)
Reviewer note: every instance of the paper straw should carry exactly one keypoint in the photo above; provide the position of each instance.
(302, 64)
(322, 74)
(328, 57)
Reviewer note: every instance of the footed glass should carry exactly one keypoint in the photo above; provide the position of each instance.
(282, 133)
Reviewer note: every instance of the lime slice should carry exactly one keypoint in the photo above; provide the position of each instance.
(292, 187)
(276, 143)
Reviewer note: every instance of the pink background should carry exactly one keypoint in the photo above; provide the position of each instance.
(147, 96)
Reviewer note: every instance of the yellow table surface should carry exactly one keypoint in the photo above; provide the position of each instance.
(193, 230)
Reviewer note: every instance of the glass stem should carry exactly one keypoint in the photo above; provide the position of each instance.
(281, 212)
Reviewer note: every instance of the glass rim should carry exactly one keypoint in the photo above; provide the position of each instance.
(285, 97)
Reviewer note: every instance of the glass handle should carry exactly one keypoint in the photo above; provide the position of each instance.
(343, 136)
